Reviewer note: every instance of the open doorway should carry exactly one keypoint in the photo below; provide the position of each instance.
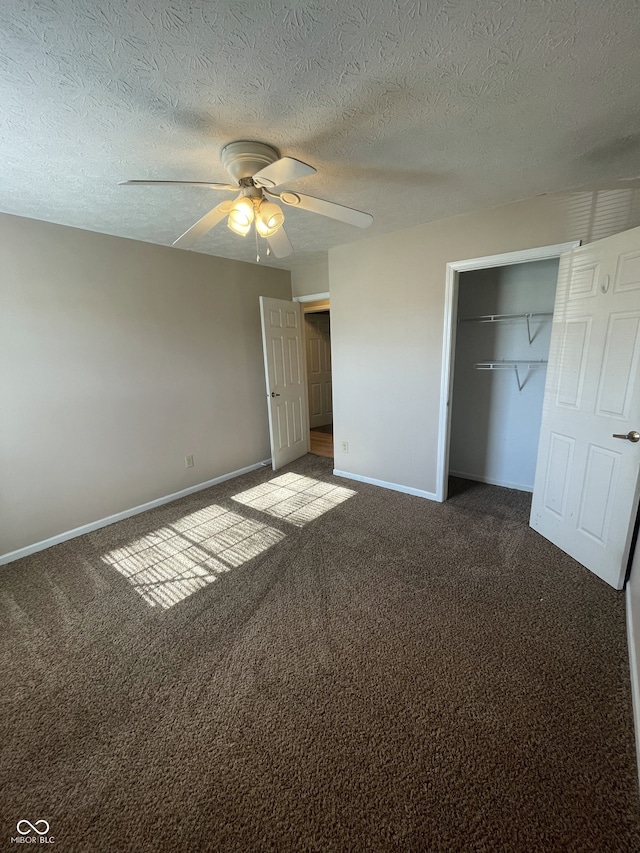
(317, 332)
(501, 353)
(496, 341)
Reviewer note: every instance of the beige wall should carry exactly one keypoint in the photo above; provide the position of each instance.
(117, 359)
(311, 276)
(387, 313)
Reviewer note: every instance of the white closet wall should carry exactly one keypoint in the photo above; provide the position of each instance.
(495, 425)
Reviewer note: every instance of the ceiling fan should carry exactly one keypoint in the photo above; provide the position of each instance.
(258, 172)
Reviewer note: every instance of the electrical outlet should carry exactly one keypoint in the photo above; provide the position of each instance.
(188, 461)
(345, 446)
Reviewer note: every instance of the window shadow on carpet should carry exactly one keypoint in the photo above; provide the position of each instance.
(169, 564)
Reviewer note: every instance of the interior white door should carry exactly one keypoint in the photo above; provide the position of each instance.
(318, 340)
(586, 488)
(285, 374)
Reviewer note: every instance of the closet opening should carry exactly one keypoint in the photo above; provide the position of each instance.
(502, 349)
(497, 337)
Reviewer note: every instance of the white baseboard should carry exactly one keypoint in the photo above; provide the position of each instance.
(490, 481)
(633, 645)
(407, 490)
(127, 513)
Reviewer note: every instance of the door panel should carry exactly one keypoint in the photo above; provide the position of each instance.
(574, 349)
(283, 344)
(587, 482)
(620, 365)
(560, 460)
(628, 272)
(598, 492)
(584, 279)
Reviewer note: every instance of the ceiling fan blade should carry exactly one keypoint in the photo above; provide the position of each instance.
(279, 244)
(327, 208)
(203, 225)
(281, 172)
(179, 184)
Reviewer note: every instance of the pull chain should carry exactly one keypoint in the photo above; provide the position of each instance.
(258, 249)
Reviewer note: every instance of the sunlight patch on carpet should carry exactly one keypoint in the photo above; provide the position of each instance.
(294, 498)
(171, 563)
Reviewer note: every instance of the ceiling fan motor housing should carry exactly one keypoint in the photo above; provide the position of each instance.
(243, 159)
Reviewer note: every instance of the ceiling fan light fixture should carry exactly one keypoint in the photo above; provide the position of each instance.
(269, 218)
(240, 230)
(241, 216)
(258, 172)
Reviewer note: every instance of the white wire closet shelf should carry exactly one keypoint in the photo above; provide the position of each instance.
(529, 316)
(516, 365)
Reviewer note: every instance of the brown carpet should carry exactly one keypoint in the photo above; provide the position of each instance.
(391, 675)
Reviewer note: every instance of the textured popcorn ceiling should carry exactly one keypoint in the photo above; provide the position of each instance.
(410, 110)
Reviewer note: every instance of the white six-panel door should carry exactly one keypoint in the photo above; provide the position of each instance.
(587, 481)
(283, 348)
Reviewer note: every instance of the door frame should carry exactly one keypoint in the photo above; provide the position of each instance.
(454, 268)
(312, 297)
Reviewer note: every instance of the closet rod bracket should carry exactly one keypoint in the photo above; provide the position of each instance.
(515, 365)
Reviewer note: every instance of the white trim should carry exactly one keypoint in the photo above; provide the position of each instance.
(454, 268)
(540, 253)
(446, 381)
(127, 513)
(407, 490)
(633, 670)
(490, 481)
(312, 297)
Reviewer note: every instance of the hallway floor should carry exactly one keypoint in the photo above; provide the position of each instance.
(321, 440)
